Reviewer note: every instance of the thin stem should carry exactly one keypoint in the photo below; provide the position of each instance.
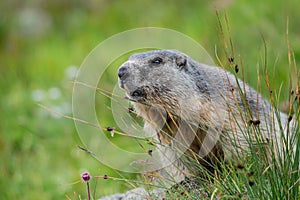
(88, 190)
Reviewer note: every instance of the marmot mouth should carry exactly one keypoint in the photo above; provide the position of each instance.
(140, 92)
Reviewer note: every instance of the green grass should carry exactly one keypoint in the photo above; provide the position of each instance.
(39, 154)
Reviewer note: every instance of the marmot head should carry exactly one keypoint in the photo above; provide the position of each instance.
(156, 77)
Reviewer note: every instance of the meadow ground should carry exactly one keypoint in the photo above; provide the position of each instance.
(44, 42)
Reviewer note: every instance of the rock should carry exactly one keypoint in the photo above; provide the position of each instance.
(137, 194)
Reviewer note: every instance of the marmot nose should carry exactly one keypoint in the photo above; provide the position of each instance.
(122, 71)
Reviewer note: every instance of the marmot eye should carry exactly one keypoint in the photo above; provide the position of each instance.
(157, 60)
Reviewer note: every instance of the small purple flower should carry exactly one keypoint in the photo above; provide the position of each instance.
(85, 176)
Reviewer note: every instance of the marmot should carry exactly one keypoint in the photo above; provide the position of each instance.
(200, 110)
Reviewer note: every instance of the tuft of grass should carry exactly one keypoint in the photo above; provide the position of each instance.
(263, 171)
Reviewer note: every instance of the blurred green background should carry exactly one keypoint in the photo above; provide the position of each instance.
(43, 43)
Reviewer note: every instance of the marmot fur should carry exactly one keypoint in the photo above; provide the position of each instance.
(197, 109)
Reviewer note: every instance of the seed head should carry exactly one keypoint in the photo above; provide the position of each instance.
(111, 130)
(150, 152)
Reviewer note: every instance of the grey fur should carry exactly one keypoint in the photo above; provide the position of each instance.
(206, 97)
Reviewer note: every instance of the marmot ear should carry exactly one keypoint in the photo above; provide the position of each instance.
(181, 61)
